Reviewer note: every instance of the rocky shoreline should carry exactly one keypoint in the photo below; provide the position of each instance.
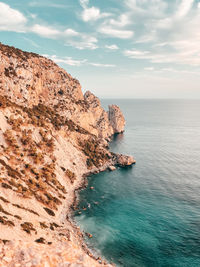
(121, 161)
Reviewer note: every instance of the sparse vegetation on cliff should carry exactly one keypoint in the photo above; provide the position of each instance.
(97, 156)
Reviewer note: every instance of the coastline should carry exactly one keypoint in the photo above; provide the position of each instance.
(79, 234)
(63, 251)
(115, 162)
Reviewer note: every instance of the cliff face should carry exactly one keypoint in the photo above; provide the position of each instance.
(28, 79)
(50, 136)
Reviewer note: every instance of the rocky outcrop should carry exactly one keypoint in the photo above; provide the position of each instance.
(124, 161)
(116, 119)
(96, 117)
(51, 136)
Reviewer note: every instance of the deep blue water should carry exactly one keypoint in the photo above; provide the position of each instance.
(149, 215)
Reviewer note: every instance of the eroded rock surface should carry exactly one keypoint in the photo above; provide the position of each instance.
(124, 161)
(116, 119)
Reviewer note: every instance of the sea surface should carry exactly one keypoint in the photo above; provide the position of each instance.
(149, 215)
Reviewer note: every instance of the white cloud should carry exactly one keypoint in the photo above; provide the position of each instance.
(11, 19)
(117, 33)
(137, 54)
(173, 34)
(47, 4)
(68, 61)
(184, 56)
(112, 47)
(149, 8)
(45, 31)
(102, 65)
(77, 63)
(115, 27)
(84, 42)
(184, 8)
(93, 14)
(149, 68)
(122, 21)
(69, 36)
(70, 32)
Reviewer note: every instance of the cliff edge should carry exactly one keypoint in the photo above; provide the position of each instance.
(51, 136)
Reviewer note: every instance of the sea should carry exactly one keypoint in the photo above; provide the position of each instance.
(148, 215)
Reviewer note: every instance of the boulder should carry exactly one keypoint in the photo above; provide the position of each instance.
(111, 168)
(124, 161)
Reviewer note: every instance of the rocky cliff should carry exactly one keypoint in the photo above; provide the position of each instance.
(51, 135)
(116, 119)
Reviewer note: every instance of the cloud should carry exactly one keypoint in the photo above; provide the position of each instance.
(149, 68)
(69, 36)
(47, 4)
(184, 8)
(148, 8)
(186, 55)
(117, 33)
(115, 28)
(172, 35)
(102, 65)
(112, 47)
(45, 31)
(122, 21)
(77, 63)
(91, 13)
(11, 19)
(137, 54)
(50, 32)
(67, 60)
(84, 42)
(71, 32)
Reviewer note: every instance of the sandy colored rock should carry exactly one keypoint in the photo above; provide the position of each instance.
(116, 119)
(124, 161)
(112, 168)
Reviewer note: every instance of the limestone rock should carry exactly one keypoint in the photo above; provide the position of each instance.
(97, 117)
(116, 119)
(124, 161)
(112, 168)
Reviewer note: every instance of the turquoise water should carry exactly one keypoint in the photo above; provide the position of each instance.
(149, 215)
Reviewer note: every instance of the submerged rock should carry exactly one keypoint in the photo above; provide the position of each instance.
(116, 119)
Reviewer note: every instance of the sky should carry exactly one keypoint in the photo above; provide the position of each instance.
(117, 49)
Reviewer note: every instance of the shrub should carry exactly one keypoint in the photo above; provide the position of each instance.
(50, 212)
(71, 175)
(27, 227)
